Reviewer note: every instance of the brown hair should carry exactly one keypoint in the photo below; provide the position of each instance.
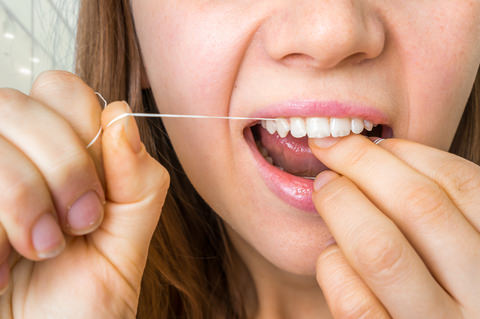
(192, 266)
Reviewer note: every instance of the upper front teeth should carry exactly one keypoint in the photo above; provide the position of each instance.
(316, 127)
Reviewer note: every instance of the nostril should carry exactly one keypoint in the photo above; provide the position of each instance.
(299, 60)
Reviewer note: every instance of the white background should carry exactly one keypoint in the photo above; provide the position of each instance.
(35, 35)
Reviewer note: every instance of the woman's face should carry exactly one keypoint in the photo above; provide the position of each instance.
(408, 64)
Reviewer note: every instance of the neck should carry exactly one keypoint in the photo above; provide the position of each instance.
(280, 294)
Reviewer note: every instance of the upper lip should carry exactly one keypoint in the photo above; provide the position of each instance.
(315, 108)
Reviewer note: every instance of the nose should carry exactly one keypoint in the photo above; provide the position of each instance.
(324, 34)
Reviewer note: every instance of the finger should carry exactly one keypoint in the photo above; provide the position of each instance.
(136, 188)
(76, 102)
(4, 246)
(380, 254)
(4, 277)
(444, 239)
(460, 178)
(26, 210)
(346, 294)
(4, 266)
(61, 157)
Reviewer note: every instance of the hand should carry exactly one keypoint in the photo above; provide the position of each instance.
(65, 260)
(406, 220)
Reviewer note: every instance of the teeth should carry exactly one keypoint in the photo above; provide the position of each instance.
(263, 151)
(271, 127)
(357, 126)
(368, 125)
(267, 156)
(339, 127)
(297, 127)
(318, 127)
(282, 127)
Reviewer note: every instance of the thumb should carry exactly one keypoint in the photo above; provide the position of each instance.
(136, 188)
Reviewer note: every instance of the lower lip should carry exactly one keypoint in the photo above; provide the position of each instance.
(295, 191)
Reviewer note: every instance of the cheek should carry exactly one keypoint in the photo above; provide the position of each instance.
(440, 63)
(191, 53)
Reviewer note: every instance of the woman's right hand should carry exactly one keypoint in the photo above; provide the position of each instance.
(75, 224)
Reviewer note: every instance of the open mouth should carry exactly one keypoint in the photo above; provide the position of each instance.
(286, 145)
(286, 162)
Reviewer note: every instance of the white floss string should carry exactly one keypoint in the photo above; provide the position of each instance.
(122, 116)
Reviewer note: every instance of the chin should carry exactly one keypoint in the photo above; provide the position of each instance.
(290, 248)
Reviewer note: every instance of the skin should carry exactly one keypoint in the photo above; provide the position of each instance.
(404, 213)
(62, 113)
(413, 60)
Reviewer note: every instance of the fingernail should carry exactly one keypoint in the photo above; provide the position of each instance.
(131, 131)
(323, 178)
(47, 238)
(85, 214)
(325, 142)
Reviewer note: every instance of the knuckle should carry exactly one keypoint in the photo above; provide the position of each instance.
(352, 305)
(425, 203)
(467, 183)
(328, 196)
(381, 256)
(54, 80)
(164, 180)
(162, 176)
(463, 176)
(357, 155)
(18, 192)
(22, 191)
(72, 164)
(66, 86)
(9, 96)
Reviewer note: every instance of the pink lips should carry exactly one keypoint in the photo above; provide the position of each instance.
(297, 191)
(294, 190)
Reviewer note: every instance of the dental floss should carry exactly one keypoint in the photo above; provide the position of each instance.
(378, 140)
(169, 115)
(172, 116)
(103, 99)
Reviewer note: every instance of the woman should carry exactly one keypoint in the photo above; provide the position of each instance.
(389, 230)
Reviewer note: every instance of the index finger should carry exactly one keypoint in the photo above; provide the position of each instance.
(77, 103)
(418, 206)
(459, 177)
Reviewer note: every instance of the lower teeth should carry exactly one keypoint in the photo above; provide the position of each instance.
(265, 155)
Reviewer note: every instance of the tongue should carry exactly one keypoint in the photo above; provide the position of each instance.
(293, 154)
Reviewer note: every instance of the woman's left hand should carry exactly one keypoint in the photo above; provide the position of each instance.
(406, 220)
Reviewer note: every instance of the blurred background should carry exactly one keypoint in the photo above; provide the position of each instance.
(35, 35)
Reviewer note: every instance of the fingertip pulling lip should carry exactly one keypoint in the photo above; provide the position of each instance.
(297, 191)
(310, 108)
